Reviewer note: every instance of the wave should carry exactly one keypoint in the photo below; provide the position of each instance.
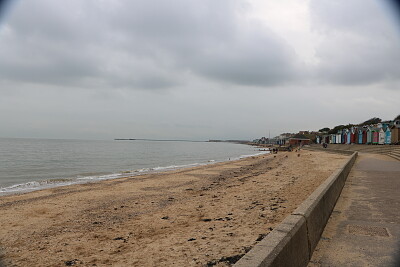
(56, 182)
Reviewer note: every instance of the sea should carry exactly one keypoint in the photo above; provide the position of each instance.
(33, 164)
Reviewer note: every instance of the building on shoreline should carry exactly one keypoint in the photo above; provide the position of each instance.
(382, 133)
(299, 140)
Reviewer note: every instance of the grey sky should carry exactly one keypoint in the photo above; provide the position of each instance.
(195, 69)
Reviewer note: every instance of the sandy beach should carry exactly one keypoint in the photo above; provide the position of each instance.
(203, 216)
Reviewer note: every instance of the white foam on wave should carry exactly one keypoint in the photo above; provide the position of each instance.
(103, 177)
(173, 167)
(35, 185)
(50, 183)
(252, 155)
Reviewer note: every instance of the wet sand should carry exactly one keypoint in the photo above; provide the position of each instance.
(203, 216)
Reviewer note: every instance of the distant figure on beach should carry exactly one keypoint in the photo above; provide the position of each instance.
(324, 145)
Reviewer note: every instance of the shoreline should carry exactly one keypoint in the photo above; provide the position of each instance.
(190, 217)
(31, 186)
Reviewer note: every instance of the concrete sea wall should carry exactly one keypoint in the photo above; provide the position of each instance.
(293, 241)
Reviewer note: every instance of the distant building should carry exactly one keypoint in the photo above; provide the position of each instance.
(299, 139)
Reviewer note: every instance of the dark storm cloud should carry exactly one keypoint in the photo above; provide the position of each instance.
(141, 44)
(359, 43)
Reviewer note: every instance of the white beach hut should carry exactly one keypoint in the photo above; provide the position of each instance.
(339, 137)
(382, 136)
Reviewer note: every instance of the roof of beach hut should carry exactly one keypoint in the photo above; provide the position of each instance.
(396, 124)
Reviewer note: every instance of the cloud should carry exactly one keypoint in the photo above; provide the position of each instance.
(359, 43)
(141, 44)
(194, 69)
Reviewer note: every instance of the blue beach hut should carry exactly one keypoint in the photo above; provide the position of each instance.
(360, 136)
(347, 134)
(343, 137)
(388, 136)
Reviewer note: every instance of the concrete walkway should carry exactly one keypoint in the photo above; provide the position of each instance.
(364, 228)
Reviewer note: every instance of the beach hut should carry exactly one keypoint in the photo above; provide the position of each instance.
(375, 135)
(355, 135)
(360, 136)
(343, 137)
(364, 134)
(369, 135)
(388, 136)
(339, 137)
(352, 135)
(381, 136)
(395, 132)
(347, 134)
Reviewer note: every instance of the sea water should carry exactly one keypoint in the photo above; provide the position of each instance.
(32, 164)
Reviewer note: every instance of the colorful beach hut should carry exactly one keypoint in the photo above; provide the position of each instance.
(364, 134)
(369, 135)
(352, 135)
(360, 136)
(381, 136)
(339, 137)
(343, 137)
(355, 135)
(388, 136)
(375, 135)
(395, 132)
(347, 134)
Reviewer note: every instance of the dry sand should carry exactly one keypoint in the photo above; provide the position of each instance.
(203, 216)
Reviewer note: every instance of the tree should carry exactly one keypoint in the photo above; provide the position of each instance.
(397, 118)
(326, 129)
(373, 120)
(336, 129)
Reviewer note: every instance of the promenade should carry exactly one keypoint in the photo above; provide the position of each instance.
(364, 228)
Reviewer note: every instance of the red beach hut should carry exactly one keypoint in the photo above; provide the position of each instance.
(352, 136)
(364, 134)
(356, 136)
(375, 136)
